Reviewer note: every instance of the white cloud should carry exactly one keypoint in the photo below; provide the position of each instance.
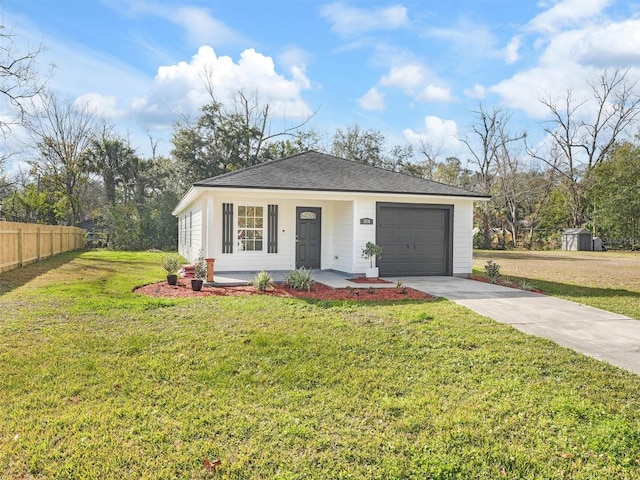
(441, 135)
(349, 21)
(372, 100)
(477, 91)
(417, 81)
(511, 52)
(570, 57)
(408, 77)
(201, 27)
(567, 13)
(181, 87)
(466, 38)
(106, 106)
(610, 45)
(434, 93)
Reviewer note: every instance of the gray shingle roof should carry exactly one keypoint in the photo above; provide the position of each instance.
(321, 172)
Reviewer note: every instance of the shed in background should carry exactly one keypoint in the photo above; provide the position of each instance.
(577, 239)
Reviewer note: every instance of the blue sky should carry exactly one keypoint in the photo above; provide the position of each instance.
(413, 69)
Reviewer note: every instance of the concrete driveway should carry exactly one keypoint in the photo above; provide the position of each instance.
(603, 335)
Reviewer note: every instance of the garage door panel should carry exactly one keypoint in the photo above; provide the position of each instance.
(414, 240)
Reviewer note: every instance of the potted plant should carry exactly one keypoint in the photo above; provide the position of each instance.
(200, 271)
(171, 264)
(371, 252)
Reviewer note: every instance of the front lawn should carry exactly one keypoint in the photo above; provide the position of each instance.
(99, 382)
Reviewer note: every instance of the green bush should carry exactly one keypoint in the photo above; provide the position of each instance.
(493, 271)
(171, 263)
(262, 281)
(300, 279)
(200, 266)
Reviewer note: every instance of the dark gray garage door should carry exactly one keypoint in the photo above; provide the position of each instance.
(415, 239)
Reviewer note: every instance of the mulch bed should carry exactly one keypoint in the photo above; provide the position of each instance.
(318, 291)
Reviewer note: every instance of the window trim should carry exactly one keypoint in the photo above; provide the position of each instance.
(263, 229)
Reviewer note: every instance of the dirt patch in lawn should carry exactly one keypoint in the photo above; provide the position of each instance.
(318, 291)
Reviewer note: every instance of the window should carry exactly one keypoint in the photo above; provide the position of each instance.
(250, 228)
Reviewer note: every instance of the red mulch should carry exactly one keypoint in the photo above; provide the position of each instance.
(367, 280)
(318, 291)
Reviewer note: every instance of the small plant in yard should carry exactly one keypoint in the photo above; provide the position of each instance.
(401, 288)
(371, 252)
(200, 266)
(524, 285)
(507, 282)
(493, 271)
(300, 279)
(171, 263)
(262, 281)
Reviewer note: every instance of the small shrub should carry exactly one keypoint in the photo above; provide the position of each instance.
(493, 271)
(372, 252)
(171, 263)
(200, 266)
(507, 282)
(401, 288)
(300, 279)
(262, 281)
(524, 285)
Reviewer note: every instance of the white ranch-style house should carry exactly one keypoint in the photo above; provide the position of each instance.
(318, 211)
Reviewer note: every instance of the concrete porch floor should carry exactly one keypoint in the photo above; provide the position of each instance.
(329, 278)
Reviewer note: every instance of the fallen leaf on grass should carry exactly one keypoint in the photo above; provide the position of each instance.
(566, 455)
(209, 465)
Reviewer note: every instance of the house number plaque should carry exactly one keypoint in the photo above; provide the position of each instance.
(366, 221)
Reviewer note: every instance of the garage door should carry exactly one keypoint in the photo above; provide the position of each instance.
(415, 239)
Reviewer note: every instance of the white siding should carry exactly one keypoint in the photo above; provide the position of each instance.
(463, 238)
(343, 237)
(191, 224)
(339, 218)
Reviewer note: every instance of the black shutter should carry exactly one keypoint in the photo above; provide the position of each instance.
(272, 229)
(227, 228)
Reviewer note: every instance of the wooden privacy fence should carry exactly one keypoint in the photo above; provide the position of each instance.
(24, 243)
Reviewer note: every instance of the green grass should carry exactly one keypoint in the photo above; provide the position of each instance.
(99, 382)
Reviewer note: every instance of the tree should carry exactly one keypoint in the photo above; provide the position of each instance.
(19, 82)
(582, 132)
(362, 146)
(62, 132)
(223, 139)
(19, 77)
(490, 142)
(613, 188)
(302, 141)
(115, 161)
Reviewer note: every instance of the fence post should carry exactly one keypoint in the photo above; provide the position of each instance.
(38, 244)
(20, 247)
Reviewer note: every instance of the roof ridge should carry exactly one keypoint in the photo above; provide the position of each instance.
(251, 167)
